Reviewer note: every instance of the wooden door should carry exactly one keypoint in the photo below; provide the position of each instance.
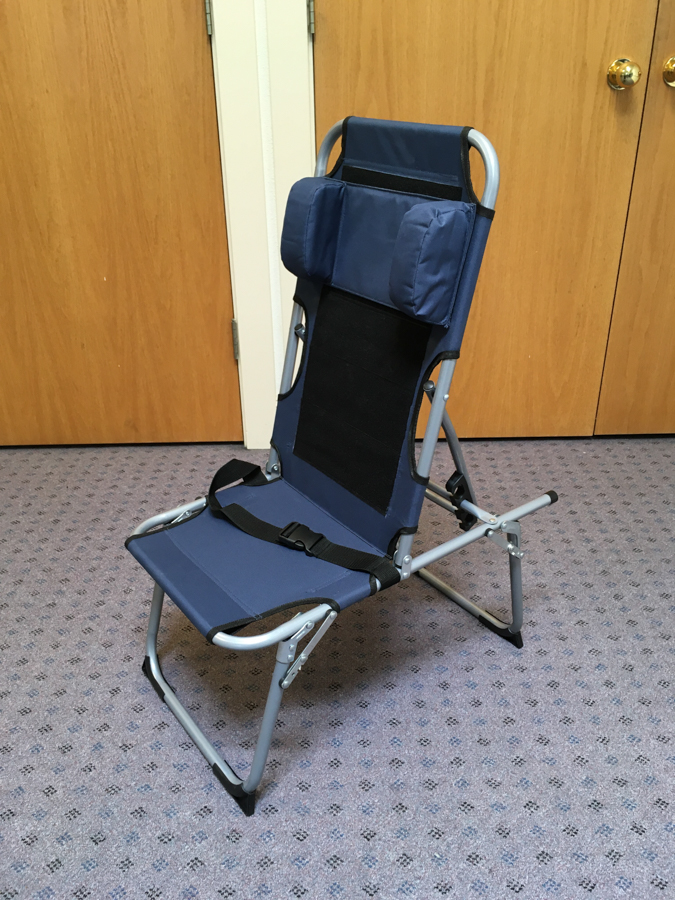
(638, 385)
(115, 303)
(532, 77)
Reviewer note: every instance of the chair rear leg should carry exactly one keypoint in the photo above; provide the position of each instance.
(506, 533)
(510, 632)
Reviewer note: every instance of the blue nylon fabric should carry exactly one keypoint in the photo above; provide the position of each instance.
(430, 152)
(217, 574)
(311, 227)
(467, 284)
(430, 250)
(371, 218)
(207, 576)
(408, 495)
(422, 151)
(373, 242)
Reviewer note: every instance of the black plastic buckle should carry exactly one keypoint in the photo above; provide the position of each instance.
(299, 537)
(459, 490)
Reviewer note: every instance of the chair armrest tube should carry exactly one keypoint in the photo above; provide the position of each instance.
(281, 633)
(477, 532)
(170, 515)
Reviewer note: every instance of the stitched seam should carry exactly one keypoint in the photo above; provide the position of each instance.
(471, 220)
(422, 174)
(343, 210)
(242, 603)
(358, 537)
(309, 216)
(194, 562)
(419, 257)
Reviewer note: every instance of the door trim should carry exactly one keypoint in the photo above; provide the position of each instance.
(263, 71)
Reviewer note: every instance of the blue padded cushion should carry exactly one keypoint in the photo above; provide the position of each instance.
(311, 226)
(401, 250)
(370, 221)
(428, 258)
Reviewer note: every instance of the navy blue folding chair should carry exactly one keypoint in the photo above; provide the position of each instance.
(387, 249)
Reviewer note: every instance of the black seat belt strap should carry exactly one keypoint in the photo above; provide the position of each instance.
(300, 537)
(234, 470)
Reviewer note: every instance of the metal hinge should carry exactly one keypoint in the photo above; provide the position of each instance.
(235, 339)
(207, 10)
(310, 16)
(295, 667)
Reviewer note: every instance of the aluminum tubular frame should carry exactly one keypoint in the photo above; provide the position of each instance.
(286, 636)
(503, 530)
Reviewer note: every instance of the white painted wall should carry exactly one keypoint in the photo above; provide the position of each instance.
(262, 58)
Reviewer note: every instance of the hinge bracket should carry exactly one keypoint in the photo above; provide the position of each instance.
(295, 667)
(207, 11)
(512, 546)
(235, 339)
(310, 16)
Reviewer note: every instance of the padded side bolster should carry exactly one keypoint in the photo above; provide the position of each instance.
(311, 224)
(428, 259)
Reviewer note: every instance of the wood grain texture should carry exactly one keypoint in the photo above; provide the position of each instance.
(532, 77)
(116, 303)
(638, 385)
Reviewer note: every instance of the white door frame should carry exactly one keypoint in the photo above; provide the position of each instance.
(263, 68)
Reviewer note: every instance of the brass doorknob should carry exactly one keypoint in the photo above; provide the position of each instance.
(669, 72)
(622, 74)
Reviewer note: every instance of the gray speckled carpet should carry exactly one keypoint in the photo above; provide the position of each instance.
(417, 755)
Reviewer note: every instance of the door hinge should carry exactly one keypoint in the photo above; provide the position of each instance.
(310, 16)
(235, 339)
(207, 10)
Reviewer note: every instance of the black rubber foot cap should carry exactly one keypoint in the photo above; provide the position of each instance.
(553, 496)
(245, 800)
(247, 803)
(515, 639)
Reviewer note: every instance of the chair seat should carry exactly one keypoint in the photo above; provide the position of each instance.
(222, 578)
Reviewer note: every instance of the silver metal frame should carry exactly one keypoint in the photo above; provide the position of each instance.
(504, 530)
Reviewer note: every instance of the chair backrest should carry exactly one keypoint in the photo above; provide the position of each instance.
(387, 250)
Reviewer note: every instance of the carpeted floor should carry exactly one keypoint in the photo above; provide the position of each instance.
(418, 755)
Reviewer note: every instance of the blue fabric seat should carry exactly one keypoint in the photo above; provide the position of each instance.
(222, 578)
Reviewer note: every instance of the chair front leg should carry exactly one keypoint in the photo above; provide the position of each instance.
(242, 790)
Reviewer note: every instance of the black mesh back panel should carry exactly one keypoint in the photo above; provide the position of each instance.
(363, 366)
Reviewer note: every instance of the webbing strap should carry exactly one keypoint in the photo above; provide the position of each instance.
(294, 535)
(232, 471)
(299, 537)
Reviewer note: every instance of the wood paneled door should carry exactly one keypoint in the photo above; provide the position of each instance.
(638, 385)
(533, 78)
(115, 302)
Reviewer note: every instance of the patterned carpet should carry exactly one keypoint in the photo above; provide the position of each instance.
(417, 755)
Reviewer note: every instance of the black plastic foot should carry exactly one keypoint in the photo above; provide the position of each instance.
(515, 639)
(245, 800)
(147, 671)
(247, 803)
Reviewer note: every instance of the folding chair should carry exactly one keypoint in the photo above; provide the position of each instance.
(387, 249)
